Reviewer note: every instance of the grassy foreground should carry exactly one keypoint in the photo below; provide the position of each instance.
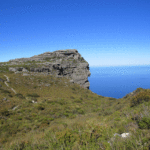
(50, 113)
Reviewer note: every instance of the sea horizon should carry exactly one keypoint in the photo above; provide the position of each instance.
(118, 81)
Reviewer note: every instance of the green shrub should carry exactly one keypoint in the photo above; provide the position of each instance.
(117, 119)
(47, 120)
(33, 95)
(19, 118)
(73, 88)
(40, 107)
(5, 91)
(118, 107)
(61, 102)
(80, 111)
(72, 97)
(144, 123)
(84, 140)
(10, 95)
(11, 72)
(19, 146)
(67, 137)
(66, 114)
(35, 87)
(51, 102)
(96, 109)
(78, 101)
(140, 98)
(20, 95)
(71, 116)
(30, 101)
(121, 129)
(112, 98)
(4, 112)
(35, 99)
(145, 140)
(105, 112)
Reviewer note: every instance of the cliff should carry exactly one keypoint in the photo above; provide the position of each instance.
(61, 63)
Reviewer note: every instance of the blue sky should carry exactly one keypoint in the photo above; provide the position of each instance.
(105, 32)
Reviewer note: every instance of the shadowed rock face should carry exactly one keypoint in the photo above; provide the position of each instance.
(68, 63)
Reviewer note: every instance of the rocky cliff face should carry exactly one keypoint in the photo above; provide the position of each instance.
(61, 63)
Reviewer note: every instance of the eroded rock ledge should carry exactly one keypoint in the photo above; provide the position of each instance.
(68, 63)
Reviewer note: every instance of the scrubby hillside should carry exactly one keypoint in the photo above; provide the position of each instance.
(49, 113)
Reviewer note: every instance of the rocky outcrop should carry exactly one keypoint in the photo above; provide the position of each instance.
(61, 63)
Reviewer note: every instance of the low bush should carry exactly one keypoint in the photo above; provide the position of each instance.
(10, 95)
(145, 140)
(33, 95)
(51, 102)
(5, 91)
(73, 88)
(20, 95)
(72, 97)
(112, 98)
(35, 87)
(4, 112)
(78, 101)
(144, 123)
(80, 111)
(40, 107)
(140, 98)
(47, 120)
(105, 112)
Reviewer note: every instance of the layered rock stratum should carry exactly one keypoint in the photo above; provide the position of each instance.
(61, 63)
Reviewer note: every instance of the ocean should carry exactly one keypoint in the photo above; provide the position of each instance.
(118, 81)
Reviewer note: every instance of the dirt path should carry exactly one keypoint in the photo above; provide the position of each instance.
(8, 85)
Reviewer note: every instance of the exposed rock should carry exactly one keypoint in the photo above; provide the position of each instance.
(12, 69)
(4, 99)
(17, 72)
(24, 70)
(15, 107)
(61, 63)
(47, 84)
(25, 74)
(123, 135)
(33, 101)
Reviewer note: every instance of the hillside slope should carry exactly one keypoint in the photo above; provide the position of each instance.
(52, 113)
(45, 111)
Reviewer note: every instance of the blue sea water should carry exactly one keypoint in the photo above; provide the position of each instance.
(118, 81)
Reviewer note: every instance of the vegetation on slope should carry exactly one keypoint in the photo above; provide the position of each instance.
(52, 113)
